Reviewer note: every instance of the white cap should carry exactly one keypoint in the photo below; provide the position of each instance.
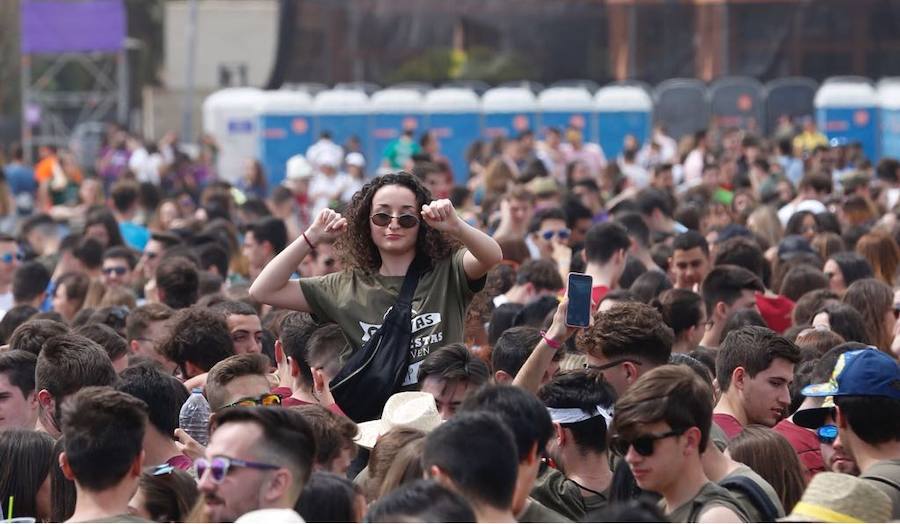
(298, 168)
(329, 157)
(355, 159)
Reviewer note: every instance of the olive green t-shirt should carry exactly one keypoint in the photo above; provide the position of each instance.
(889, 471)
(554, 490)
(743, 498)
(358, 301)
(709, 496)
(534, 511)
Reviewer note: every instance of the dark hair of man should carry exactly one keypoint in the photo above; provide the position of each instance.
(325, 345)
(29, 281)
(742, 318)
(163, 394)
(673, 394)
(421, 501)
(27, 458)
(39, 221)
(140, 318)
(629, 329)
(212, 254)
(122, 252)
(681, 309)
(689, 240)
(744, 252)
(802, 279)
(271, 230)
(287, 439)
(636, 227)
(169, 497)
(333, 432)
(649, 285)
(14, 318)
(824, 368)
(124, 195)
(477, 451)
(115, 346)
(178, 282)
(104, 432)
(853, 266)
(521, 411)
(169, 240)
(19, 366)
(31, 335)
(535, 312)
(198, 336)
(234, 307)
(575, 211)
(513, 348)
(70, 362)
(296, 330)
(753, 348)
(229, 369)
(101, 216)
(89, 252)
(818, 182)
(604, 240)
(650, 199)
(582, 390)
(454, 362)
(725, 284)
(327, 498)
(806, 308)
(550, 213)
(875, 420)
(542, 274)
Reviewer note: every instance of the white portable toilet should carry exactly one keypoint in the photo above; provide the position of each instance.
(847, 110)
(507, 111)
(230, 116)
(565, 106)
(889, 102)
(286, 129)
(622, 110)
(394, 110)
(342, 113)
(455, 120)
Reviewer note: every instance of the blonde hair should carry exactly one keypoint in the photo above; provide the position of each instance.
(764, 222)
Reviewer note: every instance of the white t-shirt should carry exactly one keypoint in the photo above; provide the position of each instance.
(785, 213)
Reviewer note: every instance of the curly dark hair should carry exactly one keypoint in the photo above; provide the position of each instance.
(356, 246)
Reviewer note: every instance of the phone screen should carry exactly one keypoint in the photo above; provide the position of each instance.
(579, 293)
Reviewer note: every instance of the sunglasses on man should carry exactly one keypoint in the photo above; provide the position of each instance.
(219, 467)
(269, 399)
(643, 445)
(7, 258)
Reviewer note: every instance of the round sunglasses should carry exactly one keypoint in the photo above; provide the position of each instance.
(405, 221)
(827, 433)
(269, 399)
(220, 466)
(644, 445)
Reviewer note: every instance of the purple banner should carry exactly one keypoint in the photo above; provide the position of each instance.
(72, 26)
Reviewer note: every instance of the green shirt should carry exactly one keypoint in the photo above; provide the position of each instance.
(358, 301)
(536, 512)
(744, 500)
(889, 473)
(709, 496)
(555, 491)
(400, 151)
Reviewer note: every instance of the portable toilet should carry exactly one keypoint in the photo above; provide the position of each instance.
(889, 101)
(394, 111)
(565, 106)
(738, 102)
(847, 109)
(682, 106)
(285, 123)
(508, 111)
(454, 118)
(622, 110)
(344, 114)
(230, 116)
(790, 98)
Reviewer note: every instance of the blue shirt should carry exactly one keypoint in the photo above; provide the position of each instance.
(136, 236)
(20, 179)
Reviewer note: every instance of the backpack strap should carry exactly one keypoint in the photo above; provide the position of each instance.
(757, 496)
(884, 480)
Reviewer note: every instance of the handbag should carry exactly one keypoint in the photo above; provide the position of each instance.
(375, 372)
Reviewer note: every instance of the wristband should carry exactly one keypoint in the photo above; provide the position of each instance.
(310, 244)
(550, 342)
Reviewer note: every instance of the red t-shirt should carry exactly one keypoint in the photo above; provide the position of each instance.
(291, 401)
(806, 444)
(728, 423)
(597, 294)
(182, 462)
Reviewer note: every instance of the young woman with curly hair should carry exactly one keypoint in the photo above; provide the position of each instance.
(389, 222)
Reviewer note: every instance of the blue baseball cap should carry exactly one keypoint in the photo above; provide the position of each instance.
(861, 373)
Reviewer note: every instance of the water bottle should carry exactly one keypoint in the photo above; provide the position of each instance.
(194, 417)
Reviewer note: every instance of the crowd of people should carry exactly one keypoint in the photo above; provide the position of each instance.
(395, 347)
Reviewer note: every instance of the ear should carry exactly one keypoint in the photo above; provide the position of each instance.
(533, 455)
(64, 466)
(583, 255)
(319, 380)
(279, 352)
(721, 310)
(134, 347)
(693, 437)
(502, 377)
(737, 378)
(137, 466)
(279, 484)
(160, 295)
(295, 368)
(631, 372)
(561, 436)
(45, 399)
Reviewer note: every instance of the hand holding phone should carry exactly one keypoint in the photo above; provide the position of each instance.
(579, 293)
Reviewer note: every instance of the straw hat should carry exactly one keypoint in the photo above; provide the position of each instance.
(411, 409)
(836, 497)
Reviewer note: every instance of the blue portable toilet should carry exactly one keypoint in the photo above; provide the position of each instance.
(738, 102)
(565, 106)
(394, 110)
(344, 113)
(789, 97)
(682, 106)
(889, 101)
(847, 109)
(622, 110)
(286, 129)
(508, 111)
(231, 117)
(454, 118)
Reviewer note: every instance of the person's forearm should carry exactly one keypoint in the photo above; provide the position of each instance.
(278, 271)
(484, 248)
(531, 372)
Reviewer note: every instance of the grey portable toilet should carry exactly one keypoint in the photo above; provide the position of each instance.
(739, 102)
(790, 97)
(682, 106)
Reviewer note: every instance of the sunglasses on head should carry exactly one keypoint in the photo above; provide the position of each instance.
(269, 399)
(219, 466)
(162, 469)
(827, 433)
(405, 221)
(7, 258)
(644, 445)
(562, 234)
(117, 270)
